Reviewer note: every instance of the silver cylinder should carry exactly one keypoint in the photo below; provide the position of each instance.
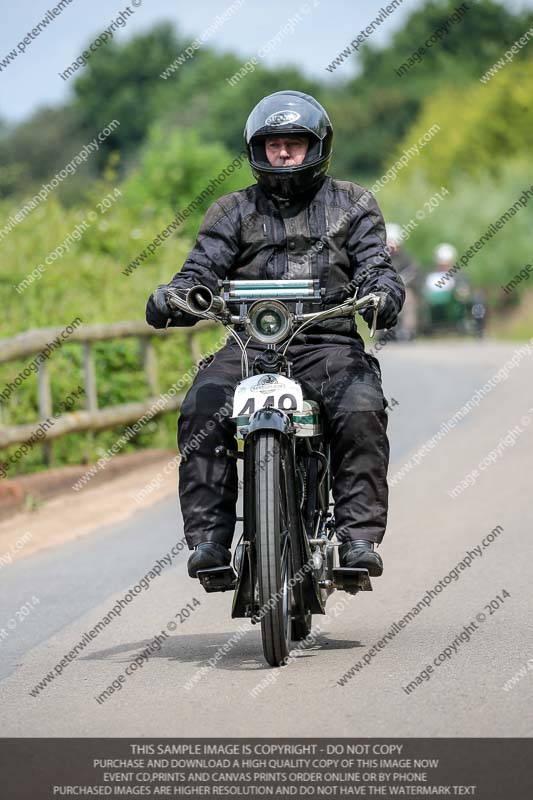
(200, 299)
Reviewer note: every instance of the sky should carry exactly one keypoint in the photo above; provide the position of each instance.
(320, 30)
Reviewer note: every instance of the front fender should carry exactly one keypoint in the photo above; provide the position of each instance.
(269, 419)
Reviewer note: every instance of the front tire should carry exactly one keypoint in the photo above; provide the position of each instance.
(273, 543)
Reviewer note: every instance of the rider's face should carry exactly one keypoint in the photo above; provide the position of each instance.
(286, 151)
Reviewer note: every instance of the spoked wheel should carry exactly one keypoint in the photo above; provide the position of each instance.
(274, 557)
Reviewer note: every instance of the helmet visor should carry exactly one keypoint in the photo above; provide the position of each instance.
(291, 114)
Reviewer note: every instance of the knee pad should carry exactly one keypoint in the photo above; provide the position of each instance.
(360, 391)
(205, 399)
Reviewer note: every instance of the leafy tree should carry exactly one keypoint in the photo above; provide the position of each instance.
(36, 149)
(122, 81)
(389, 103)
(495, 126)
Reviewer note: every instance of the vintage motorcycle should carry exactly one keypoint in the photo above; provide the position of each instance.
(285, 565)
(455, 308)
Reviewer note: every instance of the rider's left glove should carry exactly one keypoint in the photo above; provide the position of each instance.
(387, 312)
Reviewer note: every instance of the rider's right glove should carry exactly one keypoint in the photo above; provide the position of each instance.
(158, 312)
(387, 312)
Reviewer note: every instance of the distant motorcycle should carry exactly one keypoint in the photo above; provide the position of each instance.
(451, 308)
(285, 565)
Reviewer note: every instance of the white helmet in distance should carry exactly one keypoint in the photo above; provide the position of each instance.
(445, 255)
(394, 237)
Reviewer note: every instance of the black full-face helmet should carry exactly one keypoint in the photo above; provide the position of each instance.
(281, 114)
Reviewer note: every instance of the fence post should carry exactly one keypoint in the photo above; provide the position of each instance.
(149, 360)
(91, 395)
(45, 404)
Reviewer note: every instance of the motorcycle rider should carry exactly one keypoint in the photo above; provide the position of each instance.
(407, 326)
(448, 301)
(295, 222)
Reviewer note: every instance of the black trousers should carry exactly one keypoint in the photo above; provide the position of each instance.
(346, 381)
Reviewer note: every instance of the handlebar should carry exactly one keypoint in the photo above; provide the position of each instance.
(201, 302)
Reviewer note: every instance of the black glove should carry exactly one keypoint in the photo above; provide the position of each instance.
(158, 312)
(387, 312)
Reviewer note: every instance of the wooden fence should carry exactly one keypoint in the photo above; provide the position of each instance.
(92, 418)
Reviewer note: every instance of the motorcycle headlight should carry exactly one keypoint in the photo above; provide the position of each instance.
(268, 322)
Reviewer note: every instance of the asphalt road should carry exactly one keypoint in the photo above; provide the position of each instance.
(49, 599)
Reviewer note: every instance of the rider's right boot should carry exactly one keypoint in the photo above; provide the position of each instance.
(207, 555)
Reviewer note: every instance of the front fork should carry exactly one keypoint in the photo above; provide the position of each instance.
(246, 599)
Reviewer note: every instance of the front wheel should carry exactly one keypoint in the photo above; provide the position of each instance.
(273, 543)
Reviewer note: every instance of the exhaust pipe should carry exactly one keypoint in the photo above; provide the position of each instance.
(200, 299)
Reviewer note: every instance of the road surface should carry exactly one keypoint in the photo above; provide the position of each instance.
(465, 659)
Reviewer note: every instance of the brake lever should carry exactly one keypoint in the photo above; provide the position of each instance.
(374, 318)
(375, 303)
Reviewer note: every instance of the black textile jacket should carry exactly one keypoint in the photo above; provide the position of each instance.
(336, 234)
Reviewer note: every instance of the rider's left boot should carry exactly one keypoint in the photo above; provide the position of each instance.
(360, 553)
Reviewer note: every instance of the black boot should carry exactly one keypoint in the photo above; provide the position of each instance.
(207, 555)
(360, 553)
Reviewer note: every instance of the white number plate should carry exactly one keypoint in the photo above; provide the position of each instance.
(267, 390)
